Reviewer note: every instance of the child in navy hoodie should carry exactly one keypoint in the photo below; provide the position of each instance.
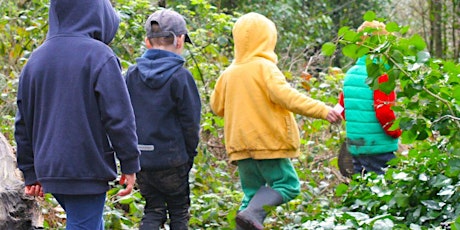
(167, 108)
(74, 113)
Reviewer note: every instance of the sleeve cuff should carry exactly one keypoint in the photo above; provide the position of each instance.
(130, 166)
(30, 177)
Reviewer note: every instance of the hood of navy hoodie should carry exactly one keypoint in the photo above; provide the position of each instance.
(157, 66)
(93, 18)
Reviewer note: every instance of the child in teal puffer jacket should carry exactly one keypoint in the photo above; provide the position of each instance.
(368, 116)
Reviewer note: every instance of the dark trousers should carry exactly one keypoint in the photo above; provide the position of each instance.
(372, 163)
(166, 193)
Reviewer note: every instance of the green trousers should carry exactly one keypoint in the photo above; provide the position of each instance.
(278, 174)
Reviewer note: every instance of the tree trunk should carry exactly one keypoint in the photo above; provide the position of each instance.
(455, 28)
(436, 28)
(17, 211)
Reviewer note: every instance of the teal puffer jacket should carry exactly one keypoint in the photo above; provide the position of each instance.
(365, 135)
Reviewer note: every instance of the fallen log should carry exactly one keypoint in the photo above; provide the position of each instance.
(17, 210)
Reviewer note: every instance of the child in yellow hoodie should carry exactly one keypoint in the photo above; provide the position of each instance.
(261, 133)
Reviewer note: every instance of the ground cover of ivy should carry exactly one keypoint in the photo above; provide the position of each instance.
(419, 191)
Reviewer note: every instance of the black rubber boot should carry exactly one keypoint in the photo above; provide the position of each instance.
(238, 227)
(252, 218)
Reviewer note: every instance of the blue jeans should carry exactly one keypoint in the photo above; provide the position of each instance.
(84, 212)
(372, 163)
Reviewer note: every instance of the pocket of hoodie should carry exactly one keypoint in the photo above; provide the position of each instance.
(292, 132)
(109, 169)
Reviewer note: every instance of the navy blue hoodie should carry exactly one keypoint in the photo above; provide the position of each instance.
(74, 110)
(167, 107)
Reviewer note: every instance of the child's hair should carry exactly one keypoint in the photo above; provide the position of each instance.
(379, 26)
(162, 41)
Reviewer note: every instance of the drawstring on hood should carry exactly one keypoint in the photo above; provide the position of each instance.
(157, 66)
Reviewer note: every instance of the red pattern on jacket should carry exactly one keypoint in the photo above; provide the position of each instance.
(382, 105)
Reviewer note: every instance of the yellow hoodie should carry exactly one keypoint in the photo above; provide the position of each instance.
(255, 99)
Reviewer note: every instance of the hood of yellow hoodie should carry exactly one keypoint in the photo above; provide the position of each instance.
(254, 35)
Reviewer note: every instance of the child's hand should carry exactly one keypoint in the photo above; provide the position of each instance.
(34, 190)
(129, 180)
(334, 117)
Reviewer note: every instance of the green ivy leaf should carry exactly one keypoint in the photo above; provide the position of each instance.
(392, 27)
(328, 48)
(385, 224)
(361, 51)
(115, 220)
(387, 87)
(359, 216)
(126, 200)
(451, 67)
(456, 224)
(423, 57)
(422, 135)
(453, 167)
(404, 29)
(414, 67)
(343, 30)
(393, 74)
(423, 177)
(113, 191)
(402, 176)
(447, 191)
(341, 189)
(369, 16)
(418, 42)
(397, 56)
(432, 204)
(408, 136)
(445, 131)
(350, 50)
(350, 36)
(440, 181)
(373, 71)
(456, 93)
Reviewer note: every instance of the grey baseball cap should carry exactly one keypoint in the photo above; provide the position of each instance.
(170, 22)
